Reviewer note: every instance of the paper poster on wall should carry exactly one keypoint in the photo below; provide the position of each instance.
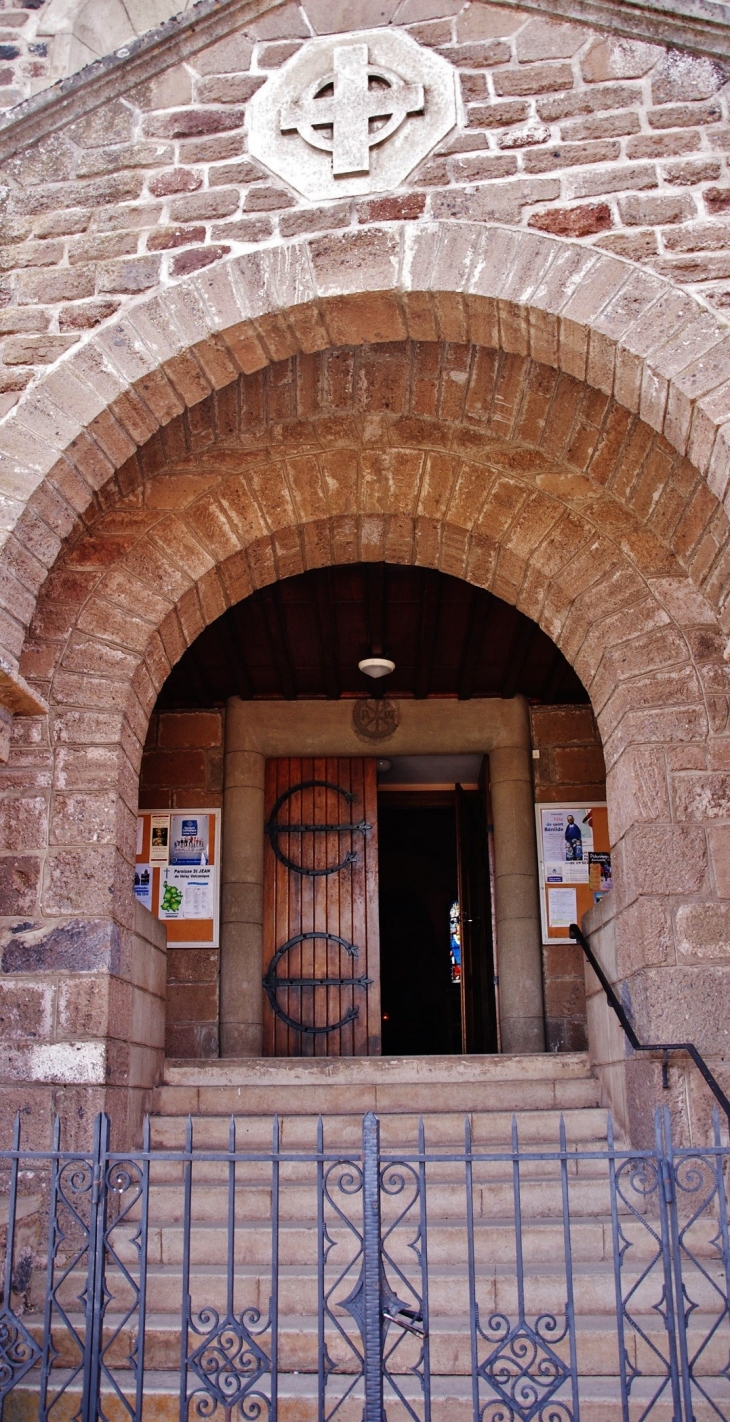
(600, 872)
(189, 839)
(176, 874)
(159, 839)
(186, 892)
(562, 907)
(567, 834)
(143, 884)
(574, 858)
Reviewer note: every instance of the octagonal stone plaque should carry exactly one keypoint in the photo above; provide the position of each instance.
(351, 114)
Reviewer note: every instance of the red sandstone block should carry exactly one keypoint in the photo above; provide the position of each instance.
(495, 115)
(700, 236)
(86, 314)
(266, 197)
(19, 884)
(387, 209)
(211, 150)
(242, 171)
(252, 229)
(174, 769)
(662, 145)
(565, 155)
(588, 101)
(162, 239)
(717, 200)
(685, 115)
(175, 180)
(192, 261)
(203, 206)
(479, 167)
(231, 55)
(61, 284)
(192, 965)
(272, 56)
(532, 79)
(477, 55)
(655, 209)
(620, 177)
(601, 126)
(193, 122)
(692, 170)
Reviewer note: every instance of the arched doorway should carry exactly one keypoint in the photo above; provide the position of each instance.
(435, 446)
(450, 827)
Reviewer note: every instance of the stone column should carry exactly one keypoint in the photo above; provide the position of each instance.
(517, 891)
(242, 889)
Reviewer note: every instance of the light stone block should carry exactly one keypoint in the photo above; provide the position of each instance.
(355, 115)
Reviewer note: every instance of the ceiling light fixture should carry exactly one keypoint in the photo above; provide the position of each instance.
(376, 666)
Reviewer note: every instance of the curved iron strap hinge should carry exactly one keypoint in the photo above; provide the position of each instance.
(273, 829)
(664, 1047)
(272, 984)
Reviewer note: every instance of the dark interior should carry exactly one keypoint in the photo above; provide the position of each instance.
(418, 884)
(304, 636)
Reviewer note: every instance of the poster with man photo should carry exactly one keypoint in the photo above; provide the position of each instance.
(567, 835)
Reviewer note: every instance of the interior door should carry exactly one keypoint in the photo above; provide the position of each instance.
(478, 1009)
(321, 937)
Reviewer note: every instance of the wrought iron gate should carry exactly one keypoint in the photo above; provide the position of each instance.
(295, 1277)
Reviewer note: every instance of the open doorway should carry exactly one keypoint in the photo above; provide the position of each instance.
(436, 940)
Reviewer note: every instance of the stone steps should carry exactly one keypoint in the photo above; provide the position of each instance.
(596, 1346)
(333, 1086)
(600, 1400)
(490, 1130)
(593, 1288)
(442, 1094)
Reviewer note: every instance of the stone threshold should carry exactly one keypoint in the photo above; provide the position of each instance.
(272, 1071)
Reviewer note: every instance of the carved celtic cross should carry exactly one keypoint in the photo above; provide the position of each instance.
(336, 112)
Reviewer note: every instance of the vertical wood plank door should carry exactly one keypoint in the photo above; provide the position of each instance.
(321, 933)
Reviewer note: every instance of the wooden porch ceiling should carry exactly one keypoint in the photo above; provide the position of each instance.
(303, 638)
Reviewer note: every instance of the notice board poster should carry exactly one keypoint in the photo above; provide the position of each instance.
(574, 858)
(177, 873)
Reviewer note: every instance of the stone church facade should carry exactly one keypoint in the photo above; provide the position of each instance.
(239, 342)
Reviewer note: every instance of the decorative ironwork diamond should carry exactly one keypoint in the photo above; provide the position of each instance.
(229, 1362)
(18, 1351)
(524, 1371)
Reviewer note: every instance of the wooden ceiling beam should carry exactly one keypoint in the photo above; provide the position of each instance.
(554, 676)
(428, 620)
(481, 614)
(232, 638)
(375, 598)
(324, 607)
(201, 686)
(520, 647)
(279, 641)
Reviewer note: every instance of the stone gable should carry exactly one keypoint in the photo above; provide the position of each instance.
(620, 144)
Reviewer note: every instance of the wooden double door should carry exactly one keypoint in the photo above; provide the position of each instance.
(321, 911)
(321, 935)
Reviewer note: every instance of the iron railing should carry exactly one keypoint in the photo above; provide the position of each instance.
(665, 1048)
(235, 1276)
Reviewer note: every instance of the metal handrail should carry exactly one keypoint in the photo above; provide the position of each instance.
(664, 1047)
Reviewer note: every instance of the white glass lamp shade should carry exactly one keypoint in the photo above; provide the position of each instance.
(376, 666)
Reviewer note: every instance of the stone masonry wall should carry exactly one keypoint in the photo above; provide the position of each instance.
(182, 767)
(569, 766)
(619, 144)
(522, 411)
